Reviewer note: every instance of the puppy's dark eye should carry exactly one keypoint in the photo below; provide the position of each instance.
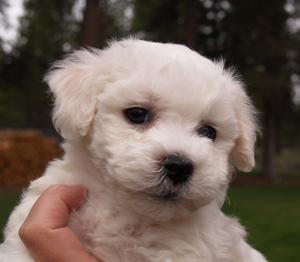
(209, 132)
(137, 115)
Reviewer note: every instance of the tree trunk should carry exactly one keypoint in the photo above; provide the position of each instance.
(191, 23)
(93, 25)
(269, 146)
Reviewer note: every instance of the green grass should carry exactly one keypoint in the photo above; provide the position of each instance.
(271, 216)
(7, 202)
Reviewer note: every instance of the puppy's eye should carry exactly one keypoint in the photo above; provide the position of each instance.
(137, 115)
(209, 132)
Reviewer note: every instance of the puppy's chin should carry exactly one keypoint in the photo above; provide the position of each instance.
(161, 207)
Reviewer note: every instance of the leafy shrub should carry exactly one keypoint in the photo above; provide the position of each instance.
(24, 156)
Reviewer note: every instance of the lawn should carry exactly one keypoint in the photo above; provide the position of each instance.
(7, 203)
(270, 214)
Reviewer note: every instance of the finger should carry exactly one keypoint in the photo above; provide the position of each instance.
(44, 232)
(53, 207)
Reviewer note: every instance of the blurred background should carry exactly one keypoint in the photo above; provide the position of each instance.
(261, 39)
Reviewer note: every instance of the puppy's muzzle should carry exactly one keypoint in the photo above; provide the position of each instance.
(178, 169)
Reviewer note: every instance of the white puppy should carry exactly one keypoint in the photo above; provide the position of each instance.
(152, 131)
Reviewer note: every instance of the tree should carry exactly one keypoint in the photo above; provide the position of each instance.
(191, 23)
(103, 20)
(257, 41)
(94, 23)
(196, 23)
(47, 31)
(3, 18)
(159, 20)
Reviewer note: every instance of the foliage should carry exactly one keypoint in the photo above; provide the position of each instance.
(153, 22)
(48, 30)
(119, 18)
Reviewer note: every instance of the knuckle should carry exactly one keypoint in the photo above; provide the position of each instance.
(29, 232)
(25, 232)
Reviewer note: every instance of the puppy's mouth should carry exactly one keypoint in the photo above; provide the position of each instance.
(170, 196)
(167, 196)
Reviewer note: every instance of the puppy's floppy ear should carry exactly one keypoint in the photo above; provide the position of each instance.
(242, 154)
(72, 82)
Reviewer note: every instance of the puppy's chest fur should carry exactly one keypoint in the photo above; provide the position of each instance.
(121, 235)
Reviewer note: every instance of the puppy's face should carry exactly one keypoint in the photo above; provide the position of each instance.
(166, 128)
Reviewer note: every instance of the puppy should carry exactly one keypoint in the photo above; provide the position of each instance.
(152, 131)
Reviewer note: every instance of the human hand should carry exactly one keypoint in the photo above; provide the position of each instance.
(44, 232)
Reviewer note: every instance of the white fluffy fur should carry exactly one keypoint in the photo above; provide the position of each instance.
(118, 162)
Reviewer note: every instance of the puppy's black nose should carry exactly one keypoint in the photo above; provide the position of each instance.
(178, 169)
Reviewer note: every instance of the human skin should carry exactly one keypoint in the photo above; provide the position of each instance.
(44, 232)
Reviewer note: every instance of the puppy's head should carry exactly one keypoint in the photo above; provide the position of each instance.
(165, 125)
